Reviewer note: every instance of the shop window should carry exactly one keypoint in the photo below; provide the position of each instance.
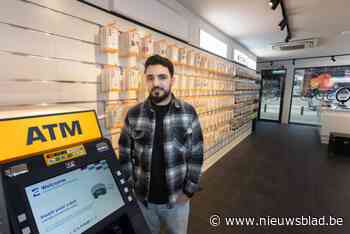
(313, 87)
(212, 44)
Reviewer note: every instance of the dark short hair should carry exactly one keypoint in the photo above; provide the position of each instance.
(159, 60)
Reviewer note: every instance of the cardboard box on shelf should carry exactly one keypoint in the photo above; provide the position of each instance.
(109, 38)
(129, 43)
(173, 53)
(183, 56)
(132, 79)
(160, 47)
(204, 62)
(211, 64)
(191, 58)
(197, 59)
(147, 46)
(114, 115)
(111, 79)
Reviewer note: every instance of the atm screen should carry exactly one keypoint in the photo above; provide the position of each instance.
(75, 201)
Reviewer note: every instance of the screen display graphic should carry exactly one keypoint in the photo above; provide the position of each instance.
(75, 201)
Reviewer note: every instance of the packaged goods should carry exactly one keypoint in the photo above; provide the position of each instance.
(129, 43)
(114, 115)
(109, 38)
(183, 56)
(111, 78)
(147, 46)
(190, 58)
(160, 47)
(173, 53)
(197, 59)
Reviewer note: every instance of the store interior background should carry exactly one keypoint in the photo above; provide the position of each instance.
(74, 20)
(50, 60)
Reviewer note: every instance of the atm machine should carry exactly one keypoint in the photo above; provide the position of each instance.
(58, 175)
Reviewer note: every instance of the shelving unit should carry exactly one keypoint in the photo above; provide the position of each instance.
(224, 94)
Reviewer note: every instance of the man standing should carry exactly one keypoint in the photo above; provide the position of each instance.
(161, 151)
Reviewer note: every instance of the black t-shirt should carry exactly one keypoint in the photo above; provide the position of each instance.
(158, 193)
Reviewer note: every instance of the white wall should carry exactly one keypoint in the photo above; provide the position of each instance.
(49, 58)
(320, 62)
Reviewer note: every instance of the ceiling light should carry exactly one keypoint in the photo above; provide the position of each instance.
(333, 59)
(273, 4)
(345, 32)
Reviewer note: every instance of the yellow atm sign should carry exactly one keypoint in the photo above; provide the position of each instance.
(32, 135)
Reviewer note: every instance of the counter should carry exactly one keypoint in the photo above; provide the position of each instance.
(333, 120)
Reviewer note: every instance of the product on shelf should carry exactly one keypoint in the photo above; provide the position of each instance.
(114, 115)
(211, 64)
(197, 59)
(129, 43)
(173, 53)
(130, 48)
(204, 62)
(111, 78)
(183, 56)
(147, 46)
(191, 58)
(109, 38)
(132, 79)
(160, 47)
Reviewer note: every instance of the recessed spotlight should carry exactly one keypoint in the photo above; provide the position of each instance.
(333, 59)
(345, 33)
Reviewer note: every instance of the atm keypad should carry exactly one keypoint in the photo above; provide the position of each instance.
(26, 230)
(21, 218)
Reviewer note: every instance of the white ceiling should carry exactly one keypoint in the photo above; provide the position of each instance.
(255, 25)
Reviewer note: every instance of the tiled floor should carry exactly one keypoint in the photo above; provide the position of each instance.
(280, 171)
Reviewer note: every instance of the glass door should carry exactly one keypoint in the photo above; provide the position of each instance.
(272, 84)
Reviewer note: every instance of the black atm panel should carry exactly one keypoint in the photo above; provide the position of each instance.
(87, 194)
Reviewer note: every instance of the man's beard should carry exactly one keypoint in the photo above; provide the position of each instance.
(156, 96)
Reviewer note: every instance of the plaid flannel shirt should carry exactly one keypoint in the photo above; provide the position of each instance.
(183, 148)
